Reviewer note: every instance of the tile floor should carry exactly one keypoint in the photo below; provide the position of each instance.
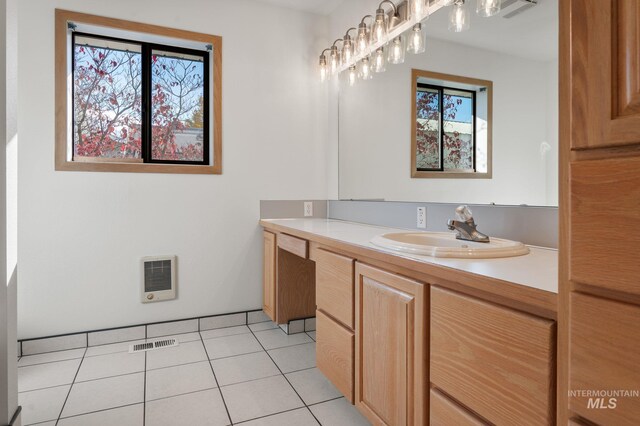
(251, 375)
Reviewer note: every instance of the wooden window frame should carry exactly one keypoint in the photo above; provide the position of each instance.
(63, 159)
(454, 174)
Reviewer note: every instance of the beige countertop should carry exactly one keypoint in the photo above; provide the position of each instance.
(538, 269)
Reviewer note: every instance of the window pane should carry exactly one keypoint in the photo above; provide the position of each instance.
(458, 130)
(106, 99)
(427, 129)
(177, 122)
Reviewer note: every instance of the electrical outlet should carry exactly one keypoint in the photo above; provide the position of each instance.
(308, 208)
(422, 217)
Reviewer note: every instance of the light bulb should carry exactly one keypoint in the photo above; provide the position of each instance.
(334, 60)
(458, 17)
(362, 39)
(379, 28)
(416, 42)
(486, 8)
(379, 62)
(396, 50)
(347, 50)
(323, 68)
(365, 72)
(419, 9)
(353, 75)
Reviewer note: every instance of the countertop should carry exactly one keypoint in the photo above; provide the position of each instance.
(538, 269)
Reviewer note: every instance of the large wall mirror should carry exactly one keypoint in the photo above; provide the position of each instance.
(473, 119)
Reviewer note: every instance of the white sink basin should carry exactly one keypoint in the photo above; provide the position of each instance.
(445, 244)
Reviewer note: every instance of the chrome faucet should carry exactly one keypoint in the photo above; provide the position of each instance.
(465, 226)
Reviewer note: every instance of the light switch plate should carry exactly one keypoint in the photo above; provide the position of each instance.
(421, 221)
(308, 208)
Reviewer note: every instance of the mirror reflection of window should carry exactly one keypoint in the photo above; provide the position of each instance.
(451, 129)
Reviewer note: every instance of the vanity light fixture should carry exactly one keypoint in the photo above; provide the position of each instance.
(448, 2)
(416, 43)
(353, 75)
(365, 72)
(334, 58)
(419, 9)
(322, 64)
(381, 23)
(458, 17)
(396, 50)
(362, 37)
(487, 8)
(379, 61)
(347, 48)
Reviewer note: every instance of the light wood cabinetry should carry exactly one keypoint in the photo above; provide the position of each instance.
(496, 361)
(334, 286)
(444, 412)
(334, 353)
(269, 275)
(391, 373)
(599, 298)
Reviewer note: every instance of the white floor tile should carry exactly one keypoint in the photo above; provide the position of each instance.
(99, 367)
(293, 358)
(227, 331)
(181, 379)
(47, 375)
(243, 368)
(102, 394)
(312, 334)
(261, 326)
(111, 348)
(116, 336)
(194, 409)
(258, 398)
(50, 357)
(181, 338)
(299, 417)
(184, 353)
(221, 321)
(312, 386)
(170, 328)
(42, 405)
(131, 415)
(257, 316)
(52, 344)
(277, 338)
(338, 412)
(238, 344)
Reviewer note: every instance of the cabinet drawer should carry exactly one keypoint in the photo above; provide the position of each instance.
(294, 245)
(334, 286)
(334, 353)
(605, 355)
(496, 361)
(445, 412)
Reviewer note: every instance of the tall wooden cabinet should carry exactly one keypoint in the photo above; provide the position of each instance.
(599, 309)
(391, 373)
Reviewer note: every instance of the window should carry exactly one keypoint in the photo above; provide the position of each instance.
(451, 126)
(138, 102)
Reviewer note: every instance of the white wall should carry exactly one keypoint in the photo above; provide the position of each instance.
(81, 235)
(375, 136)
(8, 211)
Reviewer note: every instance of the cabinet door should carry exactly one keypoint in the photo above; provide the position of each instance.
(269, 275)
(334, 353)
(444, 412)
(390, 348)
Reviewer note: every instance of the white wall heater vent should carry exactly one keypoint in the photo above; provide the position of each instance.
(158, 278)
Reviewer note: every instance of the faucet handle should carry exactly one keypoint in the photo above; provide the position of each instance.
(463, 213)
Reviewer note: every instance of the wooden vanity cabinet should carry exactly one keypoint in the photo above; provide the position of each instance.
(390, 361)
(445, 412)
(269, 275)
(496, 361)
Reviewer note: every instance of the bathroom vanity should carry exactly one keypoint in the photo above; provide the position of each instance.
(413, 339)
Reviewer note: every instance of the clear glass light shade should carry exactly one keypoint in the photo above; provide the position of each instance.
(352, 75)
(362, 40)
(347, 51)
(365, 72)
(458, 18)
(322, 66)
(448, 2)
(334, 60)
(416, 42)
(486, 8)
(379, 28)
(419, 9)
(379, 60)
(396, 50)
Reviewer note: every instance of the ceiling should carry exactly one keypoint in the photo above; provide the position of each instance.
(321, 7)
